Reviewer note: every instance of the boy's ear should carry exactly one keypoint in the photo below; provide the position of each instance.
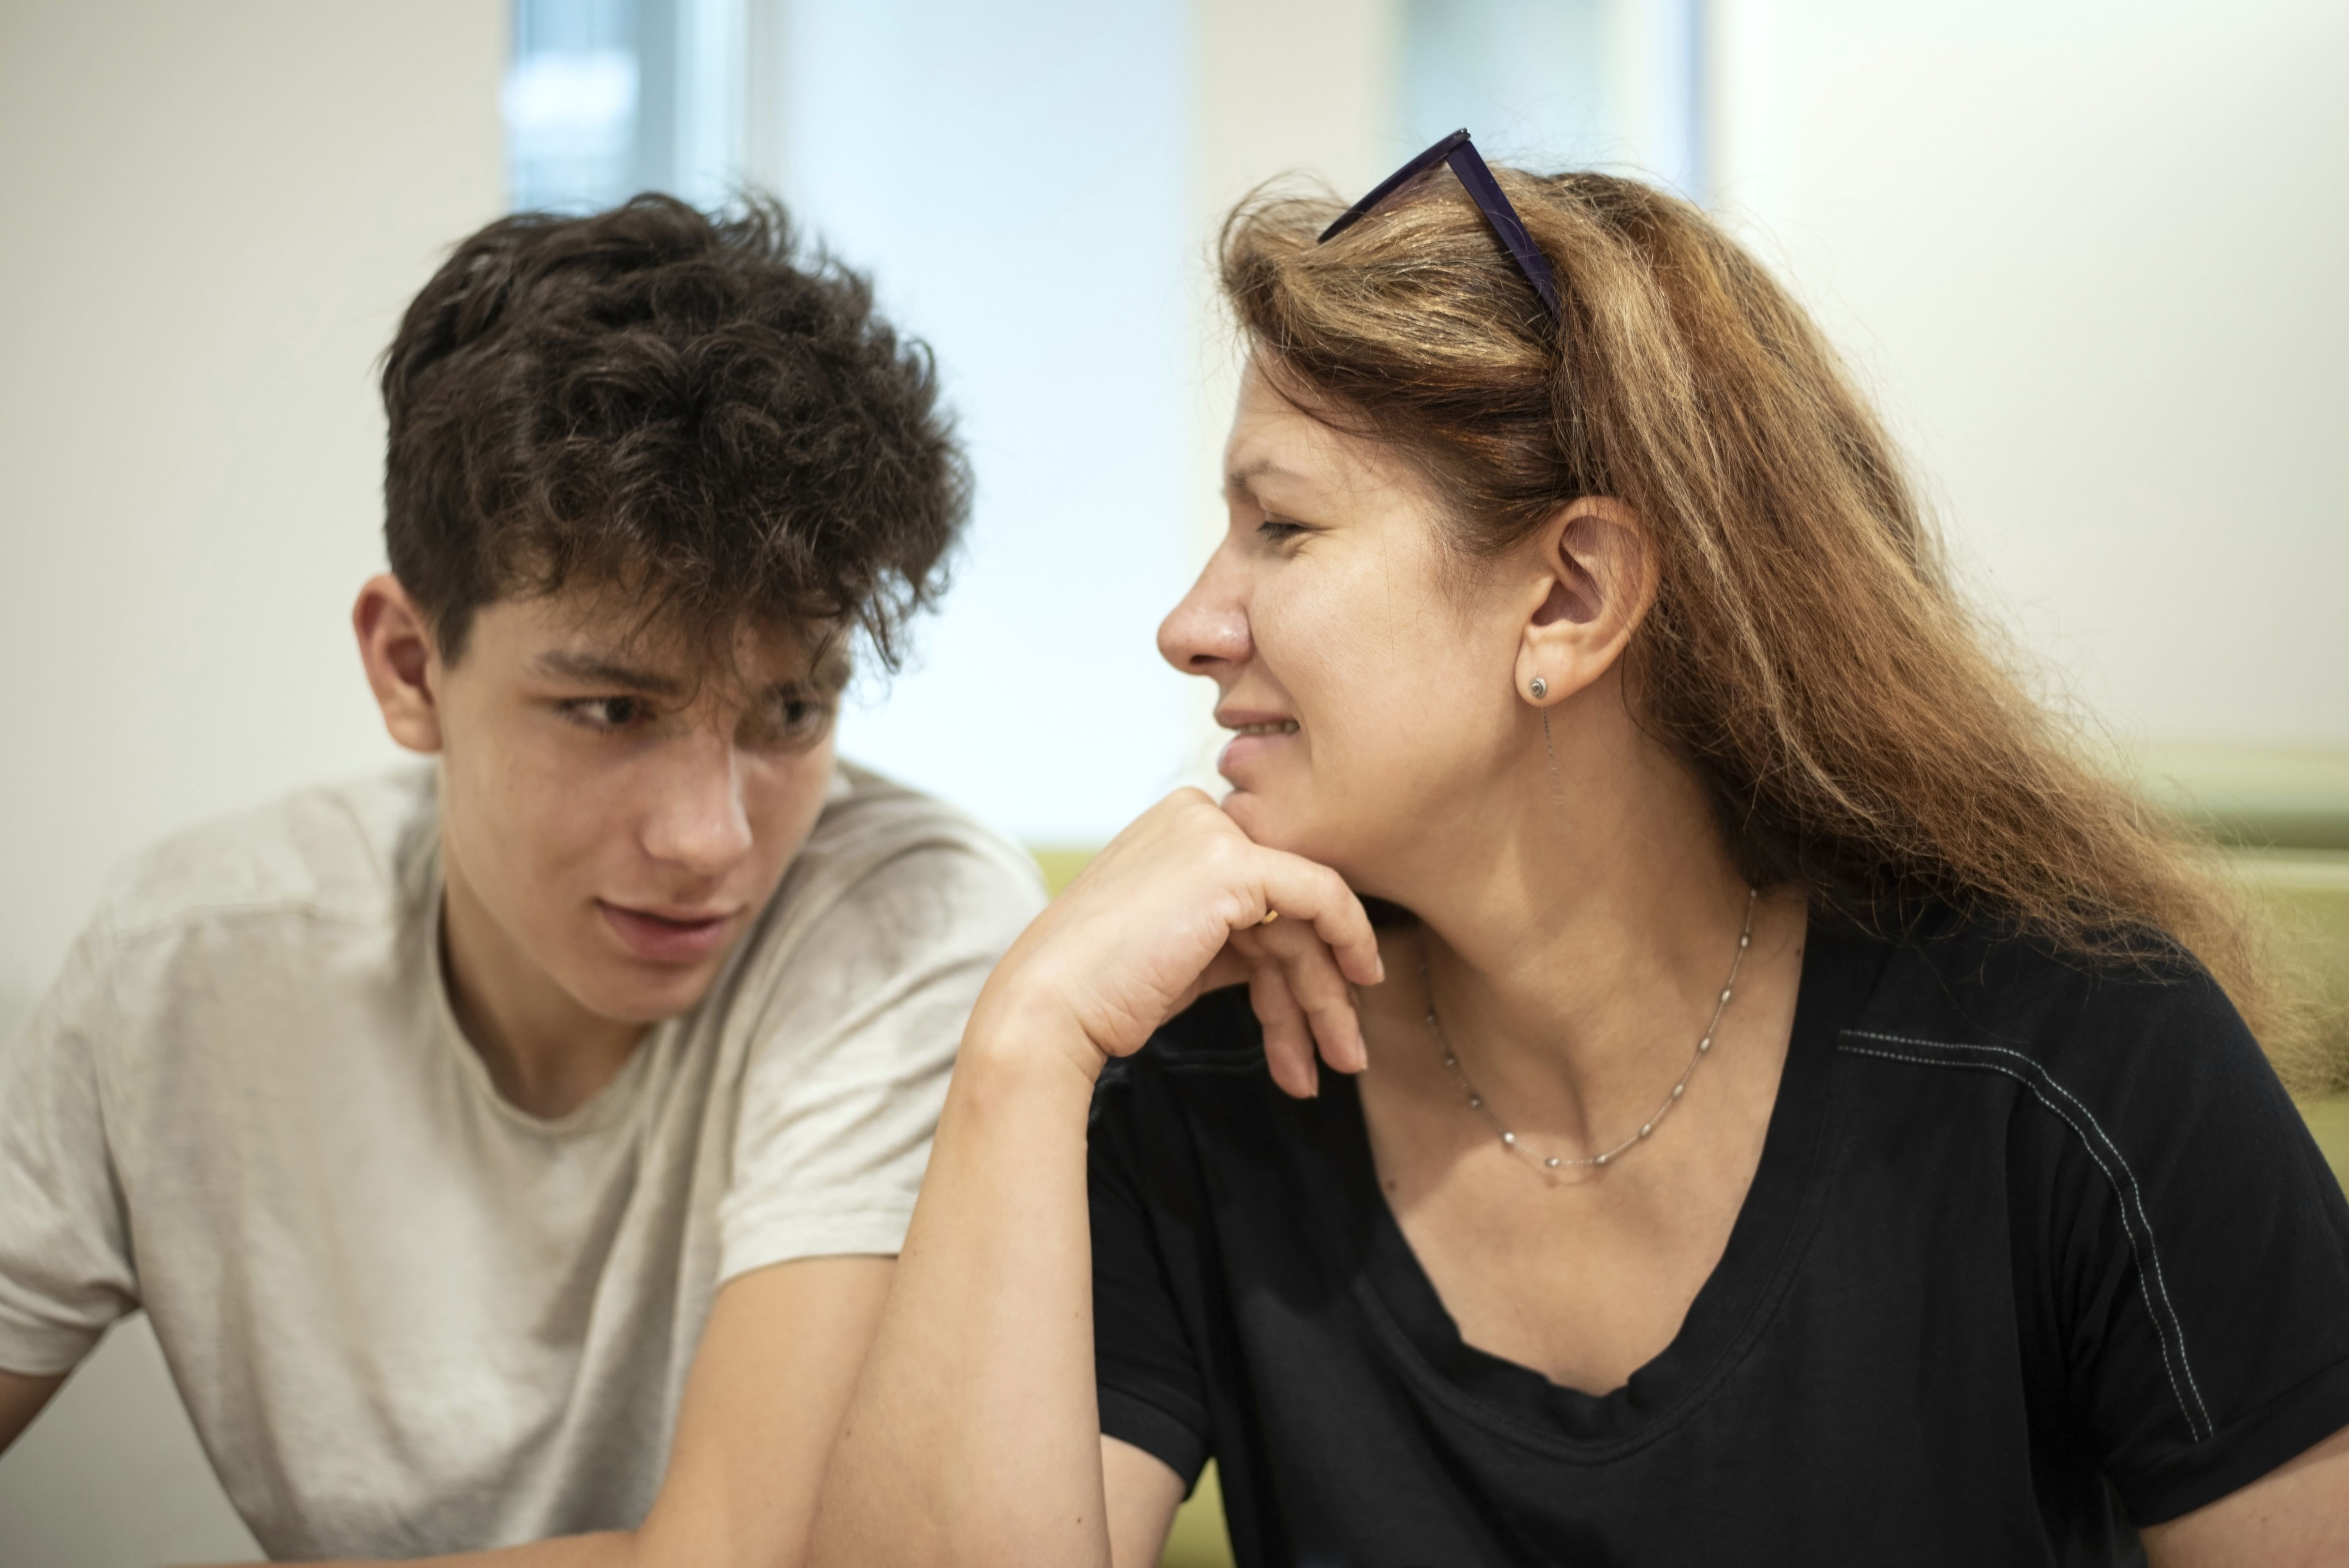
(403, 664)
(1593, 580)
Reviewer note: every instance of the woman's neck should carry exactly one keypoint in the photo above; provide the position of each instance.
(1577, 980)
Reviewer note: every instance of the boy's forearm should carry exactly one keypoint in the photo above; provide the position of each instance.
(22, 1395)
(974, 1435)
(778, 1358)
(605, 1549)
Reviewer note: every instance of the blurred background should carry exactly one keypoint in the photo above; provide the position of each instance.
(2090, 254)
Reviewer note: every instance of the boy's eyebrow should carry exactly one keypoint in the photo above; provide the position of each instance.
(830, 672)
(592, 669)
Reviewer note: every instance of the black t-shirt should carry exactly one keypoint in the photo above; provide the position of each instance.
(2034, 1248)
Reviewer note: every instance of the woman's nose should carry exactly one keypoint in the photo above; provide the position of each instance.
(1209, 629)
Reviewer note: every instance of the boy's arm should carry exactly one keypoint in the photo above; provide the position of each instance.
(21, 1398)
(761, 1404)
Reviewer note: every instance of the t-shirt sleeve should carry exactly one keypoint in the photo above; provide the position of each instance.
(1147, 1378)
(854, 1040)
(65, 1252)
(2198, 1247)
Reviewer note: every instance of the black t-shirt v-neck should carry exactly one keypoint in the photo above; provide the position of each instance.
(2034, 1249)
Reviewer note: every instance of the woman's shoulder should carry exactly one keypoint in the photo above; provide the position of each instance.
(2132, 1008)
(2092, 1071)
(2179, 1249)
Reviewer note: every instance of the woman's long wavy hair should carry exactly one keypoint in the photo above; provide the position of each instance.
(1859, 731)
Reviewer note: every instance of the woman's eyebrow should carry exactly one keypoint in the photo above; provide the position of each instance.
(1241, 481)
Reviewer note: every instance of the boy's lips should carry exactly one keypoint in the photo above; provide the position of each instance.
(668, 937)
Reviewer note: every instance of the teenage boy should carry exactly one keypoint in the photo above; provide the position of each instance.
(516, 1147)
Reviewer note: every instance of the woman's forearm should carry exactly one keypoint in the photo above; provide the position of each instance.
(974, 1435)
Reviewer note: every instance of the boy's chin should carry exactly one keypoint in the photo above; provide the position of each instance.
(644, 998)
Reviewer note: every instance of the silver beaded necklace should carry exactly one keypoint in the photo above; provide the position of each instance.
(1478, 1103)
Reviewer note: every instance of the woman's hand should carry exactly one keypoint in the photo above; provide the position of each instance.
(1182, 903)
(974, 1433)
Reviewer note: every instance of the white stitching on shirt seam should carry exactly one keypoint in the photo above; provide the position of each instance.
(2166, 1322)
(2161, 1330)
(2136, 1193)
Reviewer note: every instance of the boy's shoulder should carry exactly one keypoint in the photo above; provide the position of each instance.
(871, 821)
(345, 851)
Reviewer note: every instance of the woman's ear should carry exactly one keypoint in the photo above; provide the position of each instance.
(1591, 576)
(403, 663)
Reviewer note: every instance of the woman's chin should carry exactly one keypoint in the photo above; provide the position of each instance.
(1261, 817)
(1277, 823)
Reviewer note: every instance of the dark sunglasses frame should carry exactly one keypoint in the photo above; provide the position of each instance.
(1458, 151)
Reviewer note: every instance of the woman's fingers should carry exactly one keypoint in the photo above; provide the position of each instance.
(1303, 1002)
(1288, 1034)
(1328, 1002)
(1314, 986)
(1303, 892)
(1159, 917)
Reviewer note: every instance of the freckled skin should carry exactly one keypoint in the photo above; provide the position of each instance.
(547, 811)
(615, 808)
(1331, 603)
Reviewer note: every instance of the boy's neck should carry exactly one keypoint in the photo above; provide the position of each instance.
(547, 1056)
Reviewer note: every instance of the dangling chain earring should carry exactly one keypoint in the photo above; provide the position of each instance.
(1539, 689)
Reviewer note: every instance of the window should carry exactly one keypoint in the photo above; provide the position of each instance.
(607, 97)
(1013, 176)
(1557, 83)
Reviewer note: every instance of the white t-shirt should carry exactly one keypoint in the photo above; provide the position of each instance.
(405, 1316)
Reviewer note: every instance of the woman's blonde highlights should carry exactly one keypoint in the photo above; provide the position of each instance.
(1857, 728)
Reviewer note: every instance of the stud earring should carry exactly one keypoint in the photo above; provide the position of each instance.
(1538, 688)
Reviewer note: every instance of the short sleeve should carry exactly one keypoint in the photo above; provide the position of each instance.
(64, 1254)
(1148, 1379)
(2198, 1249)
(853, 1043)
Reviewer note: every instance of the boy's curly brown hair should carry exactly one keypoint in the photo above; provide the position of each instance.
(672, 407)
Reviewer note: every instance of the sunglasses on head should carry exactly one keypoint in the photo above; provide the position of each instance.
(1458, 151)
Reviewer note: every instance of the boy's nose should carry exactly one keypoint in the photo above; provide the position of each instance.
(700, 822)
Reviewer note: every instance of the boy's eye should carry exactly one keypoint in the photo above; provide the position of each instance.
(605, 712)
(793, 719)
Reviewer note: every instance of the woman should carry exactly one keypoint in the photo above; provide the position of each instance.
(1806, 1117)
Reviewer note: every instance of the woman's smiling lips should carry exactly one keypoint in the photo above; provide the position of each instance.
(1255, 735)
(668, 937)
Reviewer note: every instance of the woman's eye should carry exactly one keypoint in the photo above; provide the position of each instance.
(1277, 529)
(605, 712)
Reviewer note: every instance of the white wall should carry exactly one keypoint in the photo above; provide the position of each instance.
(2096, 258)
(214, 215)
